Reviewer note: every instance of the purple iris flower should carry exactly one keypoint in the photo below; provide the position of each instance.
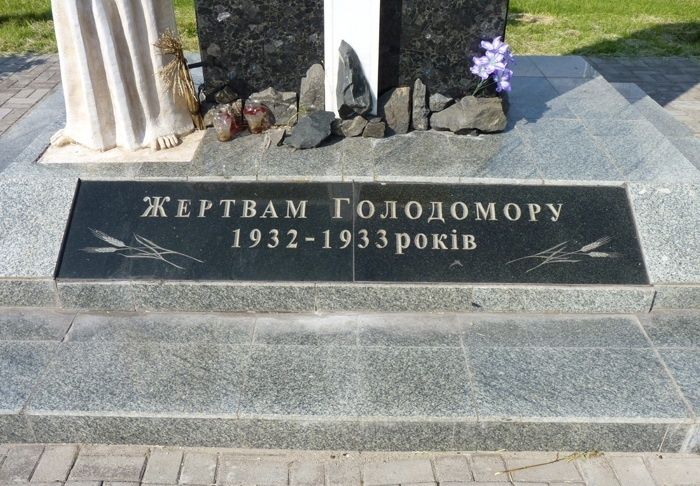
(496, 46)
(502, 79)
(494, 63)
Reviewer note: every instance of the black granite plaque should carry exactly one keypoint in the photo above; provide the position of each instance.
(434, 40)
(261, 43)
(208, 231)
(346, 232)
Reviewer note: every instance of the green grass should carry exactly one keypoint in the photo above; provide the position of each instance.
(603, 27)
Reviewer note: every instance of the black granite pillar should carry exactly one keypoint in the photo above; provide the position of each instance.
(435, 40)
(259, 43)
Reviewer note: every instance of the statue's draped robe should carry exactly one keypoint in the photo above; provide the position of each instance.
(110, 72)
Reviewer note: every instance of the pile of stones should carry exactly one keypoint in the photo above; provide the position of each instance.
(301, 122)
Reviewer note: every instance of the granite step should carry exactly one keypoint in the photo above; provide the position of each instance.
(413, 381)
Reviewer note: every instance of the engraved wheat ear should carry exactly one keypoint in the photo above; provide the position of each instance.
(596, 244)
(107, 239)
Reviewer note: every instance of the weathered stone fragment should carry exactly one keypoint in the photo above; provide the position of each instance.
(311, 130)
(276, 136)
(226, 95)
(395, 108)
(354, 127)
(375, 128)
(312, 94)
(483, 114)
(352, 91)
(257, 116)
(421, 113)
(212, 112)
(439, 102)
(282, 105)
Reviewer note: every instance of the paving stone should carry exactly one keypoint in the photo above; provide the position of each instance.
(198, 468)
(163, 327)
(598, 472)
(413, 382)
(670, 237)
(340, 473)
(397, 472)
(485, 466)
(631, 471)
(108, 468)
(535, 98)
(34, 325)
(572, 383)
(308, 330)
(409, 330)
(553, 331)
(269, 472)
(685, 368)
(673, 329)
(20, 462)
(452, 468)
(306, 473)
(114, 450)
(31, 240)
(301, 380)
(670, 470)
(55, 463)
(163, 467)
(21, 363)
(563, 66)
(110, 377)
(560, 471)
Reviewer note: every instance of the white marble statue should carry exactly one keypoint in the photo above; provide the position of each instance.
(110, 72)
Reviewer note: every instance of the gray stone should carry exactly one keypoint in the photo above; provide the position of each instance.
(414, 382)
(34, 325)
(142, 377)
(375, 128)
(353, 91)
(439, 102)
(395, 107)
(27, 293)
(677, 297)
(670, 237)
(429, 330)
(562, 299)
(312, 94)
(308, 330)
(301, 380)
(34, 215)
(276, 136)
(673, 329)
(584, 382)
(315, 433)
(21, 364)
(19, 463)
(594, 99)
(105, 295)
(321, 163)
(15, 428)
(311, 130)
(421, 112)
(224, 297)
(406, 435)
(353, 127)
(553, 331)
(392, 298)
(282, 105)
(165, 328)
(685, 368)
(483, 114)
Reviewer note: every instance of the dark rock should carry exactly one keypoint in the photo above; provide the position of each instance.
(421, 113)
(354, 127)
(483, 114)
(353, 91)
(439, 102)
(311, 130)
(282, 105)
(395, 108)
(312, 94)
(276, 136)
(375, 128)
(225, 95)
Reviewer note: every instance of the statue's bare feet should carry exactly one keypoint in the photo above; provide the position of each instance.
(60, 139)
(165, 142)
